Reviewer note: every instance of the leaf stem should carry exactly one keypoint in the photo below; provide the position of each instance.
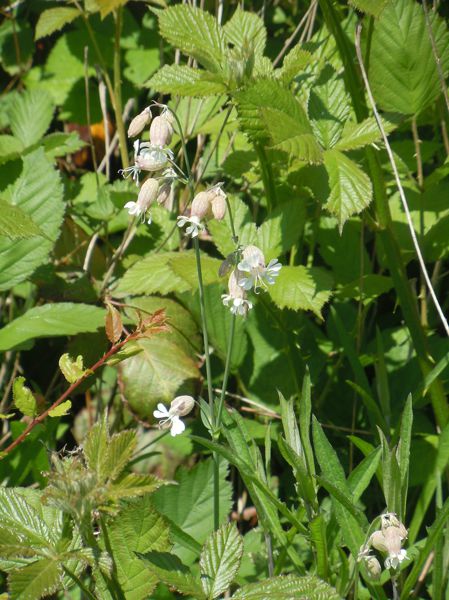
(226, 371)
(78, 582)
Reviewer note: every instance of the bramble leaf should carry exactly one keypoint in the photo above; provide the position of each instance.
(24, 398)
(54, 19)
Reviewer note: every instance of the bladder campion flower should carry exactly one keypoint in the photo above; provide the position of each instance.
(170, 418)
(236, 297)
(388, 540)
(200, 205)
(217, 198)
(195, 225)
(139, 122)
(161, 132)
(255, 274)
(147, 194)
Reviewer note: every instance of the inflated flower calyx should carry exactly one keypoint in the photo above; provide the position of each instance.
(200, 205)
(182, 405)
(217, 199)
(170, 419)
(389, 540)
(236, 297)
(139, 122)
(147, 194)
(373, 566)
(163, 196)
(161, 132)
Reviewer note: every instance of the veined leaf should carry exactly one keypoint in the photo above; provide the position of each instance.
(195, 32)
(181, 80)
(220, 560)
(138, 529)
(21, 519)
(357, 135)
(402, 69)
(302, 288)
(351, 189)
(15, 223)
(50, 320)
(23, 398)
(72, 369)
(54, 19)
(281, 229)
(31, 115)
(151, 274)
(32, 582)
(37, 192)
(60, 144)
(245, 30)
(61, 410)
(286, 588)
(10, 148)
(169, 569)
(184, 266)
(294, 62)
(370, 7)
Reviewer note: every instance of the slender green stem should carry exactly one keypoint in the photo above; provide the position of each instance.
(226, 371)
(78, 582)
(118, 90)
(267, 176)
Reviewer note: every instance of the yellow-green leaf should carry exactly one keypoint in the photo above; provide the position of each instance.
(72, 369)
(23, 398)
(61, 410)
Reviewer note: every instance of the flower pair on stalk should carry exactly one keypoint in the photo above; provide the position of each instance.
(152, 157)
(388, 540)
(250, 273)
(209, 203)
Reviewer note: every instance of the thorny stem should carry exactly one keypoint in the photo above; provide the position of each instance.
(113, 350)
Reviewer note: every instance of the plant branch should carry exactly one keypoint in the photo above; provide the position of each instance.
(113, 350)
(398, 183)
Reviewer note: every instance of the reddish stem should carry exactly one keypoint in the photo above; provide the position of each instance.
(113, 350)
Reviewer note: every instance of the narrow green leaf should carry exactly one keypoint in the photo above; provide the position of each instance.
(54, 19)
(290, 424)
(61, 410)
(391, 476)
(305, 416)
(317, 528)
(220, 560)
(50, 320)
(361, 476)
(403, 450)
(350, 187)
(15, 223)
(23, 398)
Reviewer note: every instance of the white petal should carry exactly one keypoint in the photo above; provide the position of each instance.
(177, 426)
(162, 411)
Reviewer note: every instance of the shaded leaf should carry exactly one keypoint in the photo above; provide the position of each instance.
(169, 569)
(302, 288)
(31, 115)
(15, 223)
(54, 19)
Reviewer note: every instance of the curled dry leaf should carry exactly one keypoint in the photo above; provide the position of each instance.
(113, 324)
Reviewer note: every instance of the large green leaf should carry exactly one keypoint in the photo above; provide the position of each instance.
(20, 518)
(139, 528)
(185, 81)
(37, 192)
(195, 32)
(245, 30)
(173, 572)
(189, 504)
(281, 229)
(220, 560)
(54, 19)
(50, 320)
(287, 588)
(15, 223)
(350, 187)
(302, 288)
(38, 579)
(371, 7)
(31, 115)
(402, 68)
(160, 370)
(151, 274)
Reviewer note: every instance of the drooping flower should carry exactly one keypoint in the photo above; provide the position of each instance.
(147, 195)
(139, 122)
(236, 297)
(170, 418)
(217, 198)
(147, 158)
(161, 131)
(200, 205)
(195, 225)
(256, 274)
(389, 540)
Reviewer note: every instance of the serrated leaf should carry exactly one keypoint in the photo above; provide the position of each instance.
(15, 223)
(54, 19)
(169, 569)
(358, 135)
(282, 229)
(139, 529)
(38, 192)
(184, 266)
(31, 115)
(38, 579)
(23, 398)
(151, 274)
(61, 410)
(10, 148)
(245, 30)
(21, 519)
(302, 288)
(195, 32)
(402, 69)
(50, 320)
(181, 80)
(95, 447)
(294, 62)
(72, 369)
(350, 187)
(104, 6)
(220, 560)
(286, 588)
(370, 7)
(60, 144)
(133, 485)
(190, 503)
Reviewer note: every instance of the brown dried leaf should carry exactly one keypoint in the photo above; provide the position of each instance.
(113, 324)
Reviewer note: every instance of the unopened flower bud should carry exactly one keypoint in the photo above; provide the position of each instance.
(163, 196)
(147, 193)
(200, 205)
(168, 115)
(377, 541)
(161, 132)
(182, 405)
(218, 202)
(139, 122)
(373, 566)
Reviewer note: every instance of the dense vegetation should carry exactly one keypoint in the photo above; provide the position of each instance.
(224, 242)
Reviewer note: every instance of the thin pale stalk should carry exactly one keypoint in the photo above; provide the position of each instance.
(89, 122)
(226, 371)
(78, 582)
(118, 90)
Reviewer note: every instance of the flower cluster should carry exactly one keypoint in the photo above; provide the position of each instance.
(250, 273)
(170, 418)
(387, 540)
(209, 203)
(152, 157)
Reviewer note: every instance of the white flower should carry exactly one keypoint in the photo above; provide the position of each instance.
(195, 226)
(179, 407)
(147, 158)
(236, 299)
(147, 195)
(258, 275)
(394, 559)
(389, 540)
